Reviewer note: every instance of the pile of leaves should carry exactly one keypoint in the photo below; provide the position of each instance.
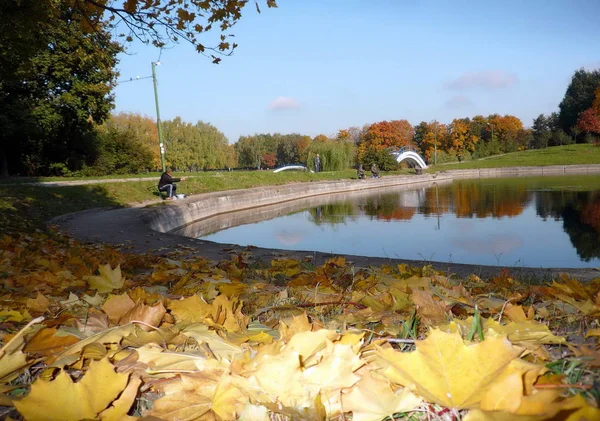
(91, 332)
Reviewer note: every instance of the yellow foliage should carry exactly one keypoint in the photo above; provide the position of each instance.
(67, 400)
(446, 371)
(108, 280)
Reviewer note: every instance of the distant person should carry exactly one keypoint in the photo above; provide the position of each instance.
(360, 172)
(167, 184)
(317, 162)
(374, 171)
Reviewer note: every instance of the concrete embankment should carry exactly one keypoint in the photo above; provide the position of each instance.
(195, 208)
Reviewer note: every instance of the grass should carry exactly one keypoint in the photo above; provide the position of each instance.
(556, 155)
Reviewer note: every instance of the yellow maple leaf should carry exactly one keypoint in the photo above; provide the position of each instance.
(64, 400)
(315, 370)
(445, 370)
(11, 365)
(120, 407)
(547, 406)
(191, 309)
(108, 280)
(522, 333)
(202, 396)
(373, 399)
(507, 392)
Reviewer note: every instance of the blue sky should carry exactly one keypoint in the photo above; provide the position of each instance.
(317, 66)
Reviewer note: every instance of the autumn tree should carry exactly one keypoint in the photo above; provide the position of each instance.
(461, 140)
(291, 148)
(382, 136)
(578, 97)
(351, 134)
(589, 120)
(433, 137)
(507, 131)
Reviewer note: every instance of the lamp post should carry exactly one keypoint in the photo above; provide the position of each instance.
(160, 136)
(434, 142)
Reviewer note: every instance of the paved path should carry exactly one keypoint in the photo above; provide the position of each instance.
(81, 182)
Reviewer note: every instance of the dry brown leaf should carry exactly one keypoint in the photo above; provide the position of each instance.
(149, 316)
(92, 322)
(38, 304)
(116, 306)
(47, 342)
(431, 311)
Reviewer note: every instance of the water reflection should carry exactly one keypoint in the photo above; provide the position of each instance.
(532, 221)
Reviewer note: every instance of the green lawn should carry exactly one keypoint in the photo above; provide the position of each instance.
(557, 155)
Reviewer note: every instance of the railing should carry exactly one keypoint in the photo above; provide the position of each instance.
(405, 148)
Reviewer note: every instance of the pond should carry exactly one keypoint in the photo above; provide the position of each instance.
(546, 221)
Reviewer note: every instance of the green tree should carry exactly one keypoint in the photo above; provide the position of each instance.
(541, 132)
(56, 90)
(578, 97)
(120, 151)
(192, 147)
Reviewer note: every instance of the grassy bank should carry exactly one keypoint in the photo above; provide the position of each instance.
(556, 155)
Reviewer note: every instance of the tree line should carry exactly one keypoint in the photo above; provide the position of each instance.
(58, 71)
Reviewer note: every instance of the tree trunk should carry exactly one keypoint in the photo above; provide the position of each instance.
(3, 163)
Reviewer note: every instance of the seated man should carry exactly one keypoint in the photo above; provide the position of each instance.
(167, 184)
(374, 171)
(360, 173)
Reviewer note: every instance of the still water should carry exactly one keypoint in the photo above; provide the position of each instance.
(524, 221)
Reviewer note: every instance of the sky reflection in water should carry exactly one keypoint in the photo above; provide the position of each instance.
(533, 221)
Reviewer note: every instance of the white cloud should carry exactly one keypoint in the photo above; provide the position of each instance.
(459, 102)
(489, 80)
(283, 103)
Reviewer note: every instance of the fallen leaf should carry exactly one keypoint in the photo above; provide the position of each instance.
(149, 316)
(120, 407)
(39, 304)
(108, 280)
(116, 306)
(63, 399)
(445, 370)
(374, 400)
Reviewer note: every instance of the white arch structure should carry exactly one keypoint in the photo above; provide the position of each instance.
(410, 154)
(291, 167)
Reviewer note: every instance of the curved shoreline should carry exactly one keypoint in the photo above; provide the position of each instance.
(149, 229)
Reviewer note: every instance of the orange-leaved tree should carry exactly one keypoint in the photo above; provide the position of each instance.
(381, 136)
(589, 120)
(461, 138)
